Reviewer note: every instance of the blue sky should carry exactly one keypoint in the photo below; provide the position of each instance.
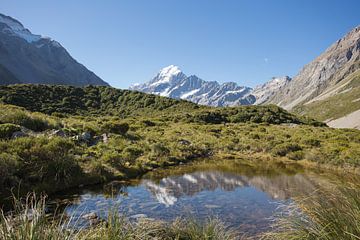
(245, 41)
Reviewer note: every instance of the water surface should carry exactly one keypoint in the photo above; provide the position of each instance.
(244, 196)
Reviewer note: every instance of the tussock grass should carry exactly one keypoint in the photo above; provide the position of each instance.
(29, 221)
(325, 215)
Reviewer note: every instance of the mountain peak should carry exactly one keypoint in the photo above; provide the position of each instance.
(170, 70)
(172, 82)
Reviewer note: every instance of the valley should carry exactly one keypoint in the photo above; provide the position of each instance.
(177, 157)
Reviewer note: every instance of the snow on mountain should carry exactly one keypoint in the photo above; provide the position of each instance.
(32, 58)
(172, 82)
(263, 92)
(15, 28)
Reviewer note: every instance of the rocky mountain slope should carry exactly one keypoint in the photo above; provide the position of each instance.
(6, 77)
(172, 82)
(316, 81)
(267, 90)
(339, 106)
(328, 88)
(31, 58)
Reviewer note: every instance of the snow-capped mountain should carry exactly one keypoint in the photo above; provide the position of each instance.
(172, 82)
(32, 58)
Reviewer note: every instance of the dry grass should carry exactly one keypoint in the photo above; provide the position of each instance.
(325, 215)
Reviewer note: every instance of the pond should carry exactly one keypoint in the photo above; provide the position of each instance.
(245, 196)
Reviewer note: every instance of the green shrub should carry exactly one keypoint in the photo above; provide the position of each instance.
(9, 164)
(131, 153)
(43, 160)
(158, 150)
(312, 142)
(297, 155)
(18, 117)
(285, 148)
(7, 129)
(113, 158)
(117, 128)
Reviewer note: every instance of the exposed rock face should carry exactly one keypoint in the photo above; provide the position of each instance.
(264, 92)
(172, 82)
(338, 61)
(31, 58)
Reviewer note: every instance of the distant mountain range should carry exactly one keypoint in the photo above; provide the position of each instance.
(328, 88)
(29, 58)
(172, 82)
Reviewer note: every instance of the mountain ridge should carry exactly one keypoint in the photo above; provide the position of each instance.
(36, 59)
(176, 84)
(329, 68)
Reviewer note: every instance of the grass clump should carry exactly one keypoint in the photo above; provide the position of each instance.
(29, 220)
(18, 116)
(285, 148)
(7, 130)
(114, 127)
(325, 215)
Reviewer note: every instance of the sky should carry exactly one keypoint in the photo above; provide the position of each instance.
(244, 41)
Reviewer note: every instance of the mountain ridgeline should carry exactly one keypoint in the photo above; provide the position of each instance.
(326, 89)
(29, 58)
(172, 82)
(101, 101)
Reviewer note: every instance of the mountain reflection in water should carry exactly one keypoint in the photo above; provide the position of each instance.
(282, 187)
(244, 197)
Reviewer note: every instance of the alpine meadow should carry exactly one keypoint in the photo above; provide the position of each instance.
(180, 156)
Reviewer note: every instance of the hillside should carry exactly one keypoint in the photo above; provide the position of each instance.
(87, 100)
(102, 101)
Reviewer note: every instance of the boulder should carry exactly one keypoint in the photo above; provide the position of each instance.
(184, 142)
(105, 138)
(57, 133)
(85, 136)
(19, 134)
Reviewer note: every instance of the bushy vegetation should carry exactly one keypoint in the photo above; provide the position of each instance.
(38, 163)
(94, 100)
(7, 130)
(32, 121)
(86, 101)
